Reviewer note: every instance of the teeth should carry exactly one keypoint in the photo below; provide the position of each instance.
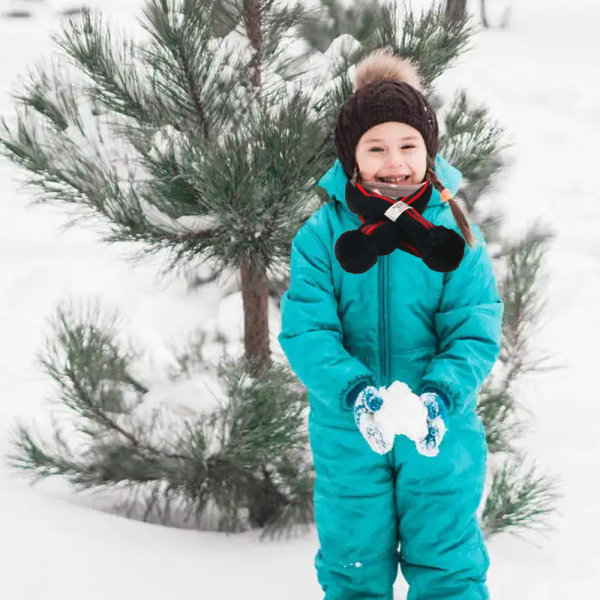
(394, 179)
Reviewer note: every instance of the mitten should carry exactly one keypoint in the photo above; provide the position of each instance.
(437, 418)
(367, 404)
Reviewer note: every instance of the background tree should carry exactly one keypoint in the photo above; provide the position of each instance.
(456, 9)
(215, 151)
(199, 147)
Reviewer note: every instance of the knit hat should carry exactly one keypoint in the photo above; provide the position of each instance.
(386, 88)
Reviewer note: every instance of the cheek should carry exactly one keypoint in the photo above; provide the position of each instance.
(418, 165)
(368, 165)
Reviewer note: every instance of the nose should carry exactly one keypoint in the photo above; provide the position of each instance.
(394, 159)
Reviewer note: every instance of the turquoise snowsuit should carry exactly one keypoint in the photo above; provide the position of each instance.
(398, 321)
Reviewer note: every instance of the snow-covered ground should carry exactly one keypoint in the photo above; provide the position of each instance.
(539, 77)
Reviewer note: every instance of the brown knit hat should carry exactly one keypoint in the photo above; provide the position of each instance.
(386, 88)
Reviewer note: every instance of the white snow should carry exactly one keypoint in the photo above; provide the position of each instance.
(539, 78)
(403, 410)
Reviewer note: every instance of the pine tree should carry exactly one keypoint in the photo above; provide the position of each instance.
(189, 143)
(197, 142)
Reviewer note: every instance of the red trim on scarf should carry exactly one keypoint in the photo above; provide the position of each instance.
(373, 227)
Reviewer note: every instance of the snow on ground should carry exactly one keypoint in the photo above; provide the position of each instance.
(539, 79)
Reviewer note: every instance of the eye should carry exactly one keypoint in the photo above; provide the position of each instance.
(375, 149)
(407, 147)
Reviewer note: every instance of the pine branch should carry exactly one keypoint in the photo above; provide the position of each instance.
(522, 305)
(181, 56)
(29, 455)
(496, 407)
(247, 457)
(297, 475)
(430, 38)
(259, 180)
(89, 43)
(105, 195)
(519, 288)
(472, 143)
(36, 98)
(327, 22)
(519, 499)
(169, 188)
(151, 211)
(92, 373)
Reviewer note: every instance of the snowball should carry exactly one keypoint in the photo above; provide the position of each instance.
(401, 412)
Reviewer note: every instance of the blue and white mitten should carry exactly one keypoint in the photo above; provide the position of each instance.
(366, 405)
(437, 418)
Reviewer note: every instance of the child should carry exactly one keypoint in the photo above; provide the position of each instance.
(345, 334)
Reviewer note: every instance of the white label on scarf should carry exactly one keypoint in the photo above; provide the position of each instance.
(394, 211)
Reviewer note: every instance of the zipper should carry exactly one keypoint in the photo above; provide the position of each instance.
(383, 335)
(383, 318)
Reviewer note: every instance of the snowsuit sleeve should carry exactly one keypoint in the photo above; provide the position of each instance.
(311, 332)
(468, 326)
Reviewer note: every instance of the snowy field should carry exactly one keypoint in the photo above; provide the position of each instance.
(540, 80)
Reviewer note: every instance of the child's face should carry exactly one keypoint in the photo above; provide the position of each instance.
(393, 152)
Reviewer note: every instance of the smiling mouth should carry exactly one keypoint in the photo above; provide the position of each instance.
(395, 179)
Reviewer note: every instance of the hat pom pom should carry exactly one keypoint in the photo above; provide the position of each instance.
(383, 64)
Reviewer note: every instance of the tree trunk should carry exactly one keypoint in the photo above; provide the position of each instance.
(254, 32)
(255, 299)
(484, 20)
(456, 9)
